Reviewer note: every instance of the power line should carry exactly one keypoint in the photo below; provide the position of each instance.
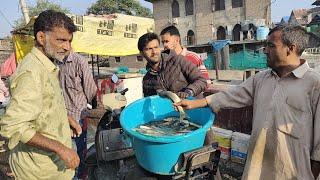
(6, 18)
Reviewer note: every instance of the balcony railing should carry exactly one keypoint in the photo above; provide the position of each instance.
(312, 50)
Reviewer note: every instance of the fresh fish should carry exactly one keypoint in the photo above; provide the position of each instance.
(171, 126)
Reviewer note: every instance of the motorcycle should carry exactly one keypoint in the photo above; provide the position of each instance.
(111, 156)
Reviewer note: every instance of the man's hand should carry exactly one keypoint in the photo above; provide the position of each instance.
(186, 93)
(191, 104)
(69, 156)
(76, 129)
(182, 95)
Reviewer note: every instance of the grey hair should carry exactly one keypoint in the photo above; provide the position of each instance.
(296, 35)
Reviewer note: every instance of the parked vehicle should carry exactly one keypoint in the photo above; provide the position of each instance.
(112, 156)
(107, 158)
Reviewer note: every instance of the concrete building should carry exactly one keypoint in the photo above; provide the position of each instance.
(200, 21)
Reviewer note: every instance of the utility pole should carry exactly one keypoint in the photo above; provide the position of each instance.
(25, 11)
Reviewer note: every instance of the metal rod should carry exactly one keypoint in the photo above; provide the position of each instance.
(98, 65)
(92, 64)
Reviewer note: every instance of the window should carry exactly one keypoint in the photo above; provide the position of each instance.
(190, 38)
(117, 59)
(237, 3)
(189, 7)
(175, 9)
(219, 5)
(236, 32)
(221, 33)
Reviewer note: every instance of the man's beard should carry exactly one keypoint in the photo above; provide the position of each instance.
(50, 52)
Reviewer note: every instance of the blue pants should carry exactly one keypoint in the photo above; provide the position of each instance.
(80, 145)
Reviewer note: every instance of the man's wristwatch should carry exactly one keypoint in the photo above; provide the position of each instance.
(189, 92)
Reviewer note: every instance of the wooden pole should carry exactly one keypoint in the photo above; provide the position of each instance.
(226, 58)
(215, 55)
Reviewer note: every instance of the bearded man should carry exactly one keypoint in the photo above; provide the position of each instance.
(36, 121)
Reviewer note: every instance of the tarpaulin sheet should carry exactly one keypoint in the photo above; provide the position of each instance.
(9, 66)
(111, 35)
(22, 45)
(219, 44)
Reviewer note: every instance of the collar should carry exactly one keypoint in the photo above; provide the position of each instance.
(68, 59)
(153, 72)
(301, 70)
(48, 64)
(184, 51)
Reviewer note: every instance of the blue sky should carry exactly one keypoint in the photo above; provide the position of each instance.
(11, 11)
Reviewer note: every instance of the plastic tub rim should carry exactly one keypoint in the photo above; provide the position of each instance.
(163, 139)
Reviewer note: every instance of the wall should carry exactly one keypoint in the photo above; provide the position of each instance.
(128, 61)
(205, 21)
(258, 9)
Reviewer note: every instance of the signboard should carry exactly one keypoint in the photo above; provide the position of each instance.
(110, 35)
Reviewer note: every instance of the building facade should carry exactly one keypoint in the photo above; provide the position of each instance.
(200, 21)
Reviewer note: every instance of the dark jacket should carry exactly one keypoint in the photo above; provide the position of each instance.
(176, 75)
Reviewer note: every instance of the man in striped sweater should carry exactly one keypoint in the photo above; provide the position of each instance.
(170, 38)
(78, 89)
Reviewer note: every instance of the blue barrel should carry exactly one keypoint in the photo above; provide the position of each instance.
(262, 33)
(160, 154)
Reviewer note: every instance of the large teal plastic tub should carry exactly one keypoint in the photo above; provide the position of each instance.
(160, 154)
